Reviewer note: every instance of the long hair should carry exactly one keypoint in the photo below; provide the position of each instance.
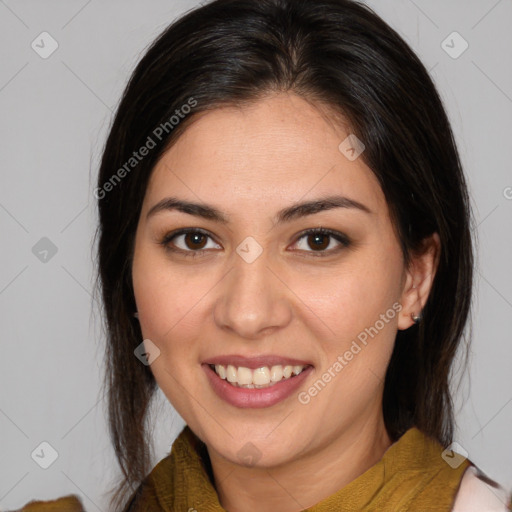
(337, 53)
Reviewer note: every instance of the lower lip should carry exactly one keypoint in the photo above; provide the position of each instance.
(255, 398)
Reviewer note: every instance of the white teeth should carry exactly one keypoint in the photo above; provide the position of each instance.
(262, 377)
(244, 376)
(276, 373)
(221, 371)
(297, 370)
(231, 373)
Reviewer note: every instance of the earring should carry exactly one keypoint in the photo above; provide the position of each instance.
(136, 314)
(416, 318)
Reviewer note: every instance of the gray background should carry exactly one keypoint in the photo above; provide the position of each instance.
(55, 114)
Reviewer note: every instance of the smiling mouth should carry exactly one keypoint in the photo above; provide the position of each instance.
(262, 377)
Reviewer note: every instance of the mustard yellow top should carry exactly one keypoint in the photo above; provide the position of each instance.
(411, 476)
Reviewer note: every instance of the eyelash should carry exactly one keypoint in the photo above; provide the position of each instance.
(340, 237)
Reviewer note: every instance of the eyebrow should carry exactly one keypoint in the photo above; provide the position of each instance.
(287, 214)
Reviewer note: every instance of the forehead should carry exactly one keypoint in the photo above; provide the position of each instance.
(276, 150)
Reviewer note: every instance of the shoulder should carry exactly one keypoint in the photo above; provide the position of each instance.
(478, 493)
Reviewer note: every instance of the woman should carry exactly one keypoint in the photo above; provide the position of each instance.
(285, 250)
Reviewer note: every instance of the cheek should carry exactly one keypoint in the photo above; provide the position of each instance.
(360, 308)
(352, 297)
(168, 305)
(164, 296)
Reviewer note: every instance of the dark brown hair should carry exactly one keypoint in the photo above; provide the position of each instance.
(338, 53)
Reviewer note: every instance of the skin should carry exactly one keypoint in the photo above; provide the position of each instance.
(250, 162)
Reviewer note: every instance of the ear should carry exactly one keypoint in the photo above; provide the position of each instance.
(419, 277)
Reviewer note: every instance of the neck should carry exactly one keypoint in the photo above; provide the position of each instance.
(301, 483)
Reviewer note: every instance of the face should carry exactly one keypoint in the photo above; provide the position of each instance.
(255, 288)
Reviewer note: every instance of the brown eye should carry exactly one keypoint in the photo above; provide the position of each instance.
(318, 241)
(188, 242)
(195, 241)
(322, 242)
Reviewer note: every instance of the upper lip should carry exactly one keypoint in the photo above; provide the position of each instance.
(256, 361)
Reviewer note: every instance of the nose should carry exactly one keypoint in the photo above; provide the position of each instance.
(252, 299)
